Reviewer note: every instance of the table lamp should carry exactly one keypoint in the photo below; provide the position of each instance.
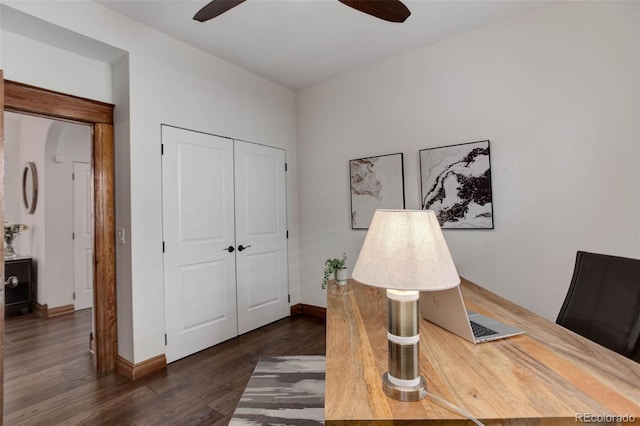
(405, 252)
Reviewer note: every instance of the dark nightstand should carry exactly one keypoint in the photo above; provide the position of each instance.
(19, 299)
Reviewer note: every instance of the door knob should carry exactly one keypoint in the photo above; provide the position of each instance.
(230, 249)
(11, 282)
(241, 247)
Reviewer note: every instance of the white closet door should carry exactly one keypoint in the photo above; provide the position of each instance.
(261, 226)
(82, 236)
(198, 226)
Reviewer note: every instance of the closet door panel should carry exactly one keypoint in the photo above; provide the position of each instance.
(198, 226)
(262, 273)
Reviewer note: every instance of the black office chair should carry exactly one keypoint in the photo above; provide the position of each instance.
(603, 302)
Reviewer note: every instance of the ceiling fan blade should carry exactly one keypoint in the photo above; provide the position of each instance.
(389, 10)
(215, 8)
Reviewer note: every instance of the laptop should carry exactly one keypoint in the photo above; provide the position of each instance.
(446, 308)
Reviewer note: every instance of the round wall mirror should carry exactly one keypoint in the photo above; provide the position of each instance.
(30, 187)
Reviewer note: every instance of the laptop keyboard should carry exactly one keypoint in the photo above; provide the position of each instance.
(481, 330)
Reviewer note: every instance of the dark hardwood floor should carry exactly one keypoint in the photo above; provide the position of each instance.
(50, 376)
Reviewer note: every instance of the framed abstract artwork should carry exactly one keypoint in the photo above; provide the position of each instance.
(376, 183)
(456, 185)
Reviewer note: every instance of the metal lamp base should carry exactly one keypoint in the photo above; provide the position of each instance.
(414, 393)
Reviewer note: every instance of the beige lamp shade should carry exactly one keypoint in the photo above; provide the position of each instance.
(405, 250)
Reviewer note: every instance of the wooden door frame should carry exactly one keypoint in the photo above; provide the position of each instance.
(32, 100)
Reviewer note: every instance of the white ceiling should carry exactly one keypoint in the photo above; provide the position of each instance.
(300, 42)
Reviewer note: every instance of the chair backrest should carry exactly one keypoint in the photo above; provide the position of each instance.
(603, 302)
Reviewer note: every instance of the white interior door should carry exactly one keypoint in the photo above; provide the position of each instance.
(261, 227)
(82, 236)
(198, 226)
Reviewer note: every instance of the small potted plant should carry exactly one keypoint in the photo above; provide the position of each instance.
(338, 267)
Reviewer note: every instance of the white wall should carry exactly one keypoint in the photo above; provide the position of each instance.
(122, 196)
(26, 136)
(555, 90)
(172, 83)
(12, 170)
(53, 68)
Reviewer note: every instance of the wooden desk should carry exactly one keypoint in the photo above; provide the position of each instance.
(545, 376)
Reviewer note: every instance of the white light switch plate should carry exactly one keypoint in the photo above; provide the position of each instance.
(121, 236)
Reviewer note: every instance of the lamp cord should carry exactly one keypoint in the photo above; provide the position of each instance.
(455, 408)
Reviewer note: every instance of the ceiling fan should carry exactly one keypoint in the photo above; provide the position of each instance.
(389, 10)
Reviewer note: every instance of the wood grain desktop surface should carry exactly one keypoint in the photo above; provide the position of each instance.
(546, 376)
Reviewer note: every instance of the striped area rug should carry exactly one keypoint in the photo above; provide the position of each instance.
(287, 390)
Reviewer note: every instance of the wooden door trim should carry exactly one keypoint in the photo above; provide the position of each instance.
(20, 97)
(104, 293)
(33, 100)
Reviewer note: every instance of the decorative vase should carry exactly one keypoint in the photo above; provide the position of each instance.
(341, 276)
(9, 251)
(10, 233)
